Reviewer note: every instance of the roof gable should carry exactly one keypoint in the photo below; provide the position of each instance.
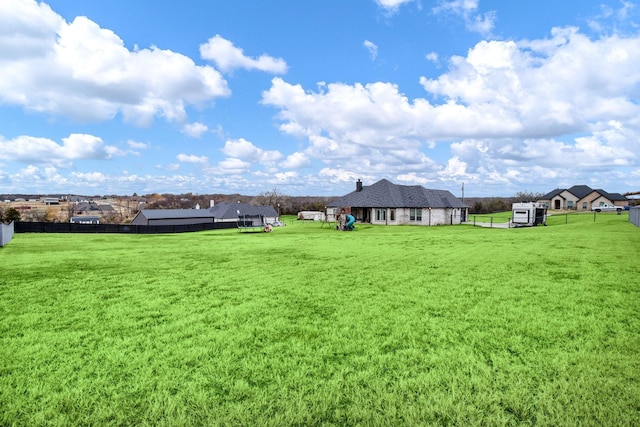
(550, 195)
(580, 191)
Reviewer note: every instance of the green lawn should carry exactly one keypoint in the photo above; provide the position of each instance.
(450, 325)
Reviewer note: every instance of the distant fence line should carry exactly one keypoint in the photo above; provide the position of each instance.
(6, 233)
(62, 227)
(634, 216)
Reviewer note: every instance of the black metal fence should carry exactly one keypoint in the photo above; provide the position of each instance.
(60, 227)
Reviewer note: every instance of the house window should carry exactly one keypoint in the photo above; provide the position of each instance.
(392, 214)
(381, 214)
(584, 205)
(415, 214)
(570, 204)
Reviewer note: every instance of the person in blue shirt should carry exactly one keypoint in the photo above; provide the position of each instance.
(350, 221)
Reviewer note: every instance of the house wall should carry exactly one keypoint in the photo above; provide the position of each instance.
(439, 216)
(603, 200)
(142, 220)
(179, 221)
(588, 201)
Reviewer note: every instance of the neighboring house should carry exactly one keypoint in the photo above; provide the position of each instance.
(172, 217)
(51, 200)
(392, 204)
(223, 212)
(581, 198)
(91, 208)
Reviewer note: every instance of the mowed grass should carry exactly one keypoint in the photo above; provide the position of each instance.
(450, 325)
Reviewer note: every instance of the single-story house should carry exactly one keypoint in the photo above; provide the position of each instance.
(50, 200)
(581, 198)
(172, 217)
(222, 212)
(387, 203)
(91, 208)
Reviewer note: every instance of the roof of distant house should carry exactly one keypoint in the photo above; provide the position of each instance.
(227, 210)
(582, 191)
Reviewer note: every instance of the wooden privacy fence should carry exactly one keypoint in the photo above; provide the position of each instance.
(60, 227)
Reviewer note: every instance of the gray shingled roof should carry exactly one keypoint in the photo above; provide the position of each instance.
(175, 213)
(614, 197)
(582, 191)
(385, 194)
(550, 195)
(227, 210)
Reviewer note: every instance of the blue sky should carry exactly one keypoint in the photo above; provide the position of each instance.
(117, 97)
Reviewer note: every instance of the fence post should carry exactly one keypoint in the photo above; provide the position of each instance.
(491, 221)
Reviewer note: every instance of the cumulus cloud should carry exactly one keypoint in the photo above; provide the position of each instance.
(190, 158)
(82, 71)
(506, 109)
(543, 87)
(245, 150)
(30, 149)
(232, 166)
(413, 179)
(228, 57)
(194, 130)
(432, 57)
(296, 161)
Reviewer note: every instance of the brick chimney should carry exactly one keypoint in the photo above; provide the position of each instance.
(358, 185)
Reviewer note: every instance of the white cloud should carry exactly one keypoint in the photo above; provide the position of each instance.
(85, 72)
(245, 150)
(296, 161)
(512, 109)
(229, 57)
(455, 168)
(391, 6)
(30, 149)
(482, 23)
(232, 166)
(136, 145)
(432, 57)
(194, 130)
(341, 175)
(372, 48)
(186, 158)
(413, 179)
